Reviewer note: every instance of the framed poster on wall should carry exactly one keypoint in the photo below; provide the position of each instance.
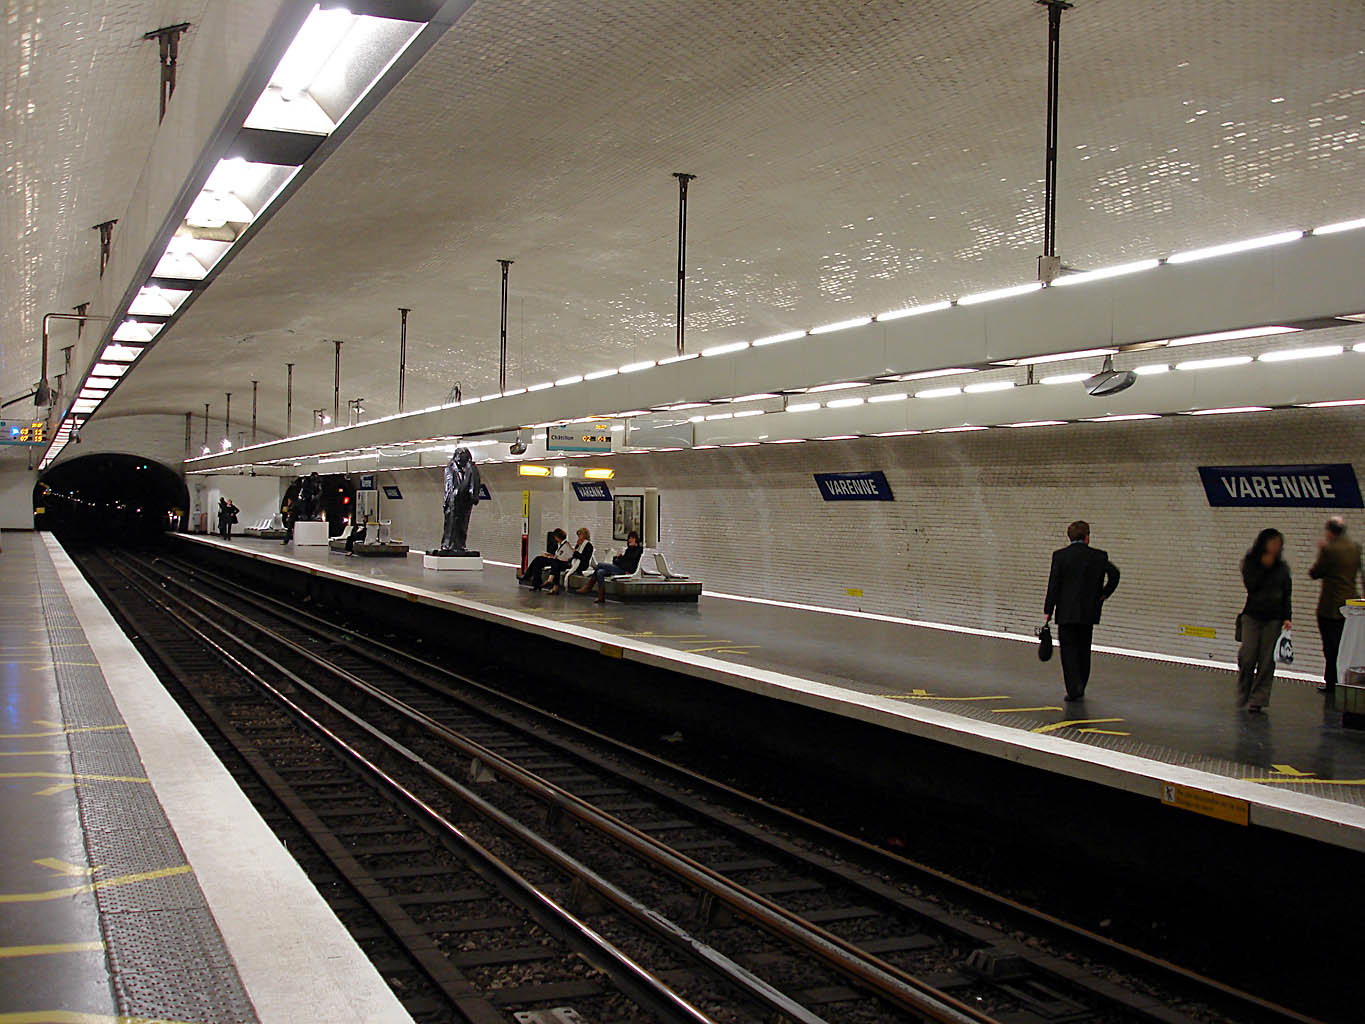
(627, 515)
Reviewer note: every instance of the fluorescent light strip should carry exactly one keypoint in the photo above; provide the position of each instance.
(1344, 225)
(1191, 255)
(1038, 423)
(789, 440)
(109, 370)
(749, 412)
(842, 325)
(725, 350)
(1213, 364)
(1065, 378)
(899, 396)
(803, 407)
(1056, 357)
(957, 430)
(988, 386)
(838, 437)
(1230, 409)
(1335, 404)
(843, 403)
(564, 382)
(1126, 417)
(1105, 272)
(775, 339)
(678, 359)
(845, 386)
(637, 367)
(928, 374)
(1237, 335)
(1152, 369)
(1286, 355)
(599, 374)
(999, 293)
(121, 353)
(901, 314)
(542, 386)
(938, 393)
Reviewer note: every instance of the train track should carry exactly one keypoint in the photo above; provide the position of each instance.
(693, 907)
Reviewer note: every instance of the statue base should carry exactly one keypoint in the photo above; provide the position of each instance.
(469, 561)
(310, 533)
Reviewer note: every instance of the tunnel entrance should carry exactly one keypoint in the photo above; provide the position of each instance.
(110, 499)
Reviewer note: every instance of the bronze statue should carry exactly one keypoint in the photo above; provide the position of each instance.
(308, 504)
(461, 495)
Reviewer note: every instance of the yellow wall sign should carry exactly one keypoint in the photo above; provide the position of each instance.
(854, 591)
(526, 504)
(1214, 805)
(1203, 632)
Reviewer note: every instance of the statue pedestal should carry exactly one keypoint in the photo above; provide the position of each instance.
(310, 535)
(449, 562)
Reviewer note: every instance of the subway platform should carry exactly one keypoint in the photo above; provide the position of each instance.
(1166, 729)
(137, 883)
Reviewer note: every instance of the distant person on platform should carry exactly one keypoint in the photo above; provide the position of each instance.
(1266, 612)
(556, 561)
(579, 562)
(227, 515)
(1081, 580)
(288, 513)
(622, 565)
(1338, 567)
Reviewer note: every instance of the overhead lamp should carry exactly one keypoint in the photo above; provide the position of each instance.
(899, 396)
(1237, 335)
(518, 391)
(1191, 255)
(542, 386)
(1344, 225)
(1125, 417)
(1065, 378)
(938, 393)
(204, 450)
(1038, 423)
(566, 381)
(929, 374)
(84, 405)
(121, 353)
(844, 403)
(153, 301)
(1105, 272)
(838, 437)
(999, 293)
(1056, 357)
(101, 382)
(843, 386)
(316, 41)
(599, 474)
(109, 369)
(525, 470)
(1285, 355)
(180, 265)
(599, 374)
(1335, 404)
(740, 444)
(1109, 381)
(93, 393)
(901, 314)
(760, 396)
(1152, 369)
(212, 210)
(644, 364)
(226, 444)
(677, 359)
(1213, 364)
(803, 407)
(696, 419)
(957, 430)
(719, 416)
(704, 447)
(132, 330)
(745, 413)
(726, 349)
(1230, 409)
(898, 433)
(788, 440)
(561, 471)
(842, 325)
(988, 386)
(774, 339)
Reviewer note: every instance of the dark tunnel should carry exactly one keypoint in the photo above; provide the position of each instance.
(110, 499)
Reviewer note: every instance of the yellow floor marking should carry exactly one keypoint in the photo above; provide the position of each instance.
(29, 753)
(1289, 769)
(63, 867)
(1006, 711)
(1073, 721)
(60, 787)
(49, 724)
(79, 777)
(7, 952)
(63, 732)
(726, 648)
(1106, 732)
(650, 634)
(103, 883)
(1310, 779)
(73, 1017)
(929, 696)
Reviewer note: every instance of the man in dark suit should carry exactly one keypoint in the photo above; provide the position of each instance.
(1081, 580)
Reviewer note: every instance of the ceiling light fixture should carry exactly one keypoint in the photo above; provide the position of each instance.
(938, 393)
(899, 396)
(1344, 225)
(1038, 423)
(844, 386)
(1213, 364)
(789, 440)
(901, 314)
(842, 325)
(775, 339)
(1065, 378)
(1105, 272)
(1152, 369)
(1334, 404)
(132, 330)
(677, 359)
(803, 407)
(317, 40)
(564, 382)
(637, 367)
(1230, 409)
(957, 430)
(1056, 357)
(1237, 335)
(928, 374)
(1109, 381)
(838, 437)
(999, 293)
(109, 370)
(1286, 355)
(525, 470)
(120, 353)
(599, 374)
(1126, 417)
(898, 433)
(1191, 255)
(988, 386)
(843, 403)
(743, 413)
(542, 386)
(726, 349)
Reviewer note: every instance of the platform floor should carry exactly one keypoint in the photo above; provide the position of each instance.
(137, 882)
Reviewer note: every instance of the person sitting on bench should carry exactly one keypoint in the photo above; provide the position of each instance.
(579, 561)
(623, 564)
(556, 563)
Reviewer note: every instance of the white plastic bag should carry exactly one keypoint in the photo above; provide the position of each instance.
(1284, 648)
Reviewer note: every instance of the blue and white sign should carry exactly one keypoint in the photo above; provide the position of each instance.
(1330, 485)
(591, 490)
(868, 486)
(392, 492)
(579, 437)
(366, 482)
(484, 494)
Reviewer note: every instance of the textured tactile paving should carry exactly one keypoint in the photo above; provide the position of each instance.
(166, 957)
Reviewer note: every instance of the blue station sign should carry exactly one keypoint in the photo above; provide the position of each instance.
(392, 492)
(1329, 485)
(867, 486)
(591, 490)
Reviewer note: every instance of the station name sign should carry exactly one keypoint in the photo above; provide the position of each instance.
(867, 486)
(579, 437)
(589, 490)
(1329, 485)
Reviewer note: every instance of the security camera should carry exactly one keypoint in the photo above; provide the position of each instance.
(1109, 381)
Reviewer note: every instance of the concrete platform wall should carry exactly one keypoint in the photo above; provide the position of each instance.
(976, 515)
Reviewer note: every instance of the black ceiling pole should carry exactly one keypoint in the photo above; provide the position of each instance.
(402, 352)
(188, 416)
(288, 399)
(1048, 264)
(227, 418)
(502, 330)
(683, 179)
(336, 384)
(254, 385)
(206, 428)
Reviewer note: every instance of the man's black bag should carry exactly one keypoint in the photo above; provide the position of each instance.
(1045, 642)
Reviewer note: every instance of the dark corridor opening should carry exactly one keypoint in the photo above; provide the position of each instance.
(110, 499)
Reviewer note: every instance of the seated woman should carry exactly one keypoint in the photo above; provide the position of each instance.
(556, 563)
(622, 565)
(579, 561)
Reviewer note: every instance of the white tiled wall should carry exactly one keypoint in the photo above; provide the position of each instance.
(976, 515)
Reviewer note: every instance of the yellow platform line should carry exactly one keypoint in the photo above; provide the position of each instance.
(1309, 781)
(8, 952)
(103, 883)
(59, 732)
(1006, 711)
(1075, 721)
(68, 776)
(927, 696)
(30, 753)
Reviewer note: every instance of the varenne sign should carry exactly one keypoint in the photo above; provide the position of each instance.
(1330, 485)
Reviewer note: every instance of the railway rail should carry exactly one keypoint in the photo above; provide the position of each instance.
(688, 899)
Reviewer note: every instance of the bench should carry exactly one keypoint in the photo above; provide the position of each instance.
(653, 580)
(383, 547)
(266, 529)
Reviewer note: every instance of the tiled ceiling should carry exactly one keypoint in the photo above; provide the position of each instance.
(79, 117)
(851, 158)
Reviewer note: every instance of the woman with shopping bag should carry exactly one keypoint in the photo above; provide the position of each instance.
(1265, 617)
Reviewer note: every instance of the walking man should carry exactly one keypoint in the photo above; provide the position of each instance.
(1081, 580)
(1338, 568)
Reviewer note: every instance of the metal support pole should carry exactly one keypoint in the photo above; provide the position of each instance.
(227, 418)
(43, 394)
(206, 428)
(683, 179)
(288, 399)
(1048, 267)
(502, 332)
(188, 417)
(254, 385)
(336, 385)
(402, 352)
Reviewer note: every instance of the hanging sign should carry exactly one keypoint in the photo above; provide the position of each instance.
(591, 490)
(392, 492)
(579, 437)
(1330, 485)
(366, 482)
(868, 486)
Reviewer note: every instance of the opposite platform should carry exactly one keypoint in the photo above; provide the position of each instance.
(1166, 731)
(138, 881)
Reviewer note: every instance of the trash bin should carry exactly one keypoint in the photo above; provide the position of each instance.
(1350, 689)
